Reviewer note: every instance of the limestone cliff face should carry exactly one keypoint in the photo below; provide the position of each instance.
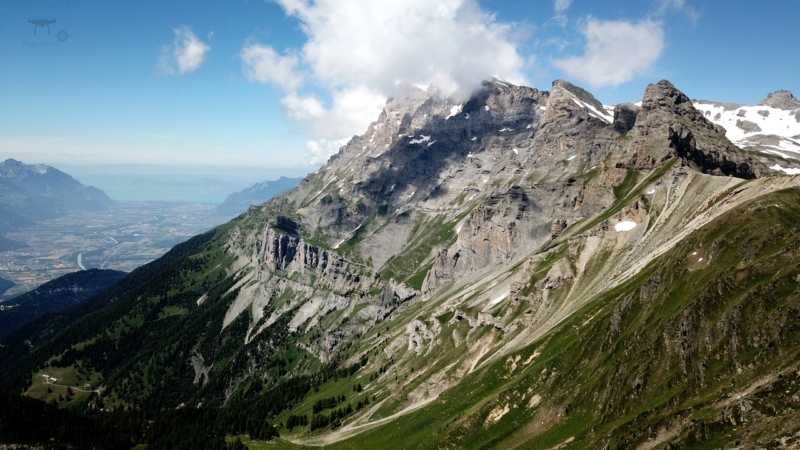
(498, 175)
(448, 194)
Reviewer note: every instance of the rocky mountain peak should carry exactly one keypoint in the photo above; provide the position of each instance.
(669, 125)
(782, 100)
(664, 95)
(566, 100)
(582, 94)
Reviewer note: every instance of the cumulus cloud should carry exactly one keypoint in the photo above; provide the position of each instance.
(303, 107)
(185, 55)
(678, 5)
(615, 52)
(263, 64)
(358, 51)
(351, 109)
(322, 149)
(561, 5)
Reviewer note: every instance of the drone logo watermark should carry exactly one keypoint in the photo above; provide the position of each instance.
(61, 36)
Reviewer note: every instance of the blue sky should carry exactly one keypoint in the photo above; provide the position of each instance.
(280, 84)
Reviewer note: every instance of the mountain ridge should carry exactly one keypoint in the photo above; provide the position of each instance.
(36, 192)
(521, 269)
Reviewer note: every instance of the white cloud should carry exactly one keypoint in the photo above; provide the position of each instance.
(616, 52)
(678, 5)
(185, 55)
(302, 107)
(263, 64)
(454, 44)
(351, 109)
(357, 52)
(322, 149)
(561, 5)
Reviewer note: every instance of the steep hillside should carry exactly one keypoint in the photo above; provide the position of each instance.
(56, 295)
(521, 268)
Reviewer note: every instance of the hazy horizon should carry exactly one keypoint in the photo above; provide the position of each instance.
(165, 183)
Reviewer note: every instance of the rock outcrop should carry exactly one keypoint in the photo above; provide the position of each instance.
(782, 100)
(668, 126)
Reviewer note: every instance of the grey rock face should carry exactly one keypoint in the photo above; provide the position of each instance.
(747, 126)
(668, 125)
(625, 117)
(781, 99)
(439, 189)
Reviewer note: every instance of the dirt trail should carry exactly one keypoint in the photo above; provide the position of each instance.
(357, 427)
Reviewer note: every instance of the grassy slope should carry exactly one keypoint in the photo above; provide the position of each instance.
(675, 345)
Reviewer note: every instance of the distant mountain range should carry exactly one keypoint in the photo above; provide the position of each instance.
(36, 192)
(237, 203)
(56, 295)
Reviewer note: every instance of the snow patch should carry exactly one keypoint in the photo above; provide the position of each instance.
(420, 140)
(430, 143)
(651, 192)
(625, 225)
(486, 107)
(506, 129)
(782, 155)
(466, 116)
(515, 151)
(602, 115)
(498, 299)
(454, 110)
(571, 158)
(474, 139)
(772, 122)
(788, 171)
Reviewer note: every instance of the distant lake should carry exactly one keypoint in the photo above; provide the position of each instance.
(190, 184)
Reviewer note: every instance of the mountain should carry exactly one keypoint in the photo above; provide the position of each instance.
(5, 284)
(771, 128)
(238, 202)
(36, 192)
(56, 295)
(513, 269)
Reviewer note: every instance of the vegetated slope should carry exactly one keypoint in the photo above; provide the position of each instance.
(36, 192)
(238, 202)
(55, 295)
(29, 423)
(698, 350)
(481, 272)
(34, 337)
